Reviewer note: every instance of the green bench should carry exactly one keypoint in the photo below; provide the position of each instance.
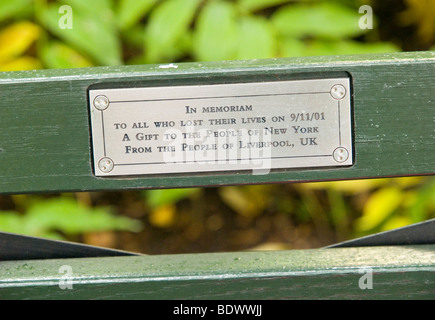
(50, 142)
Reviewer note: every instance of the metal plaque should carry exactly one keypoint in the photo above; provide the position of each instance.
(257, 126)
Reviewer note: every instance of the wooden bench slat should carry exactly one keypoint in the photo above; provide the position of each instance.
(45, 139)
(399, 272)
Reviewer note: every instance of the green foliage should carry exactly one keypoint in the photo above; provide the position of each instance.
(162, 204)
(257, 38)
(387, 203)
(45, 218)
(93, 31)
(12, 8)
(167, 25)
(129, 12)
(379, 206)
(215, 35)
(58, 55)
(157, 198)
(420, 13)
(256, 5)
(323, 20)
(115, 32)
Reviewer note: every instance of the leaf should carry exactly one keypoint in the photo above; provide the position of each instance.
(11, 221)
(101, 10)
(256, 39)
(68, 216)
(157, 198)
(162, 204)
(406, 182)
(237, 200)
(131, 11)
(420, 13)
(216, 33)
(166, 26)
(163, 217)
(93, 31)
(291, 47)
(10, 8)
(421, 202)
(17, 38)
(21, 63)
(338, 211)
(346, 186)
(256, 5)
(325, 19)
(57, 55)
(134, 36)
(248, 201)
(378, 207)
(396, 222)
(326, 48)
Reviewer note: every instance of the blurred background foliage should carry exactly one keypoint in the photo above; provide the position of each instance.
(38, 34)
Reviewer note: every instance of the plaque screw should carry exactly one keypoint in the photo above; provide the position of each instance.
(340, 154)
(338, 92)
(105, 165)
(101, 102)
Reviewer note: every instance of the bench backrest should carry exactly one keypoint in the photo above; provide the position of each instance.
(63, 130)
(48, 119)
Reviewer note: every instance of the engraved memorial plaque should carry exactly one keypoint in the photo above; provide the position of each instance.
(260, 126)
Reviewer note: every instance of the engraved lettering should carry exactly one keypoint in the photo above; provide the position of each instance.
(139, 125)
(282, 143)
(129, 149)
(300, 129)
(226, 109)
(272, 130)
(198, 147)
(166, 148)
(223, 133)
(120, 125)
(152, 136)
(191, 135)
(190, 109)
(308, 141)
(254, 120)
(170, 136)
(164, 124)
(216, 122)
(258, 126)
(315, 116)
(186, 123)
(278, 118)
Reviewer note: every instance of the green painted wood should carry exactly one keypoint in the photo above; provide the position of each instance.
(44, 124)
(399, 272)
